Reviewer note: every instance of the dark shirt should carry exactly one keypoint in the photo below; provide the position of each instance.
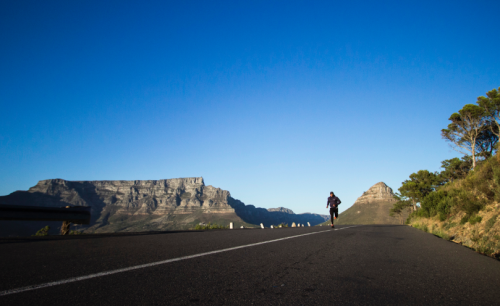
(331, 201)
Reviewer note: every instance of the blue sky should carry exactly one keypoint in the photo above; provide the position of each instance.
(278, 102)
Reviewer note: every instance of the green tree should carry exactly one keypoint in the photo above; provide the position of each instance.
(487, 141)
(491, 104)
(400, 206)
(455, 168)
(465, 130)
(418, 186)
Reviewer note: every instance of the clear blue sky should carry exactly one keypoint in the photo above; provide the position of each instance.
(278, 102)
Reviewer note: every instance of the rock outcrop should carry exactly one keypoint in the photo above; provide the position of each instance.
(372, 207)
(378, 192)
(146, 205)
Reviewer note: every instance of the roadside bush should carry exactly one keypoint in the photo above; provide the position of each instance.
(435, 203)
(466, 201)
(210, 226)
(448, 226)
(485, 250)
(441, 234)
(464, 220)
(43, 231)
(475, 219)
(490, 223)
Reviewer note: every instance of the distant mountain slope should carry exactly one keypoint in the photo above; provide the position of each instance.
(145, 205)
(370, 208)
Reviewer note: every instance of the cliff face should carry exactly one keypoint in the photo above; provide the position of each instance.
(372, 207)
(145, 205)
(157, 197)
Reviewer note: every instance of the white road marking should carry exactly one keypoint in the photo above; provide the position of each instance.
(152, 264)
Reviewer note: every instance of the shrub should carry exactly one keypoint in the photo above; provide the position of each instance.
(448, 226)
(475, 219)
(434, 203)
(466, 201)
(485, 250)
(474, 236)
(490, 223)
(75, 232)
(210, 226)
(441, 234)
(464, 220)
(43, 231)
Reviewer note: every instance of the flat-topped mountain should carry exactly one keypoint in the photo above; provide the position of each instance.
(372, 207)
(145, 205)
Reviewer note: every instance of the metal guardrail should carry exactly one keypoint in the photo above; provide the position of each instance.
(73, 214)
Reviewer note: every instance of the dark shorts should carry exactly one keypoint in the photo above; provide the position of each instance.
(334, 211)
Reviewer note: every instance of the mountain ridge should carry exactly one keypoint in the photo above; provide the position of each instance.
(144, 205)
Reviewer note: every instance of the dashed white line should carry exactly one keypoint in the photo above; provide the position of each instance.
(152, 264)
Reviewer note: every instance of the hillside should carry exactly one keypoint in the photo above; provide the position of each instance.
(466, 211)
(144, 205)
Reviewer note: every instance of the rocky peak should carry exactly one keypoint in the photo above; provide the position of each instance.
(377, 192)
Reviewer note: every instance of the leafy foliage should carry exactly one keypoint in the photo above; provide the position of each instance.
(491, 105)
(466, 184)
(455, 168)
(475, 219)
(465, 130)
(418, 187)
(43, 231)
(402, 204)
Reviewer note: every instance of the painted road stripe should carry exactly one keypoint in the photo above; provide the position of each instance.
(80, 278)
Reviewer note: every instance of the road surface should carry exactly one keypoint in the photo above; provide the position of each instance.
(361, 265)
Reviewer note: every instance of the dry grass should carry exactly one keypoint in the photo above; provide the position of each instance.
(481, 234)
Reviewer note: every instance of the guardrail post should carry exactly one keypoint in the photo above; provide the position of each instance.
(308, 224)
(261, 225)
(230, 225)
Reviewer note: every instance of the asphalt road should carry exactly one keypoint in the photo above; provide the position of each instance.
(364, 265)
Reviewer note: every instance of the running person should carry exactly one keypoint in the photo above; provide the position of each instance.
(333, 202)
